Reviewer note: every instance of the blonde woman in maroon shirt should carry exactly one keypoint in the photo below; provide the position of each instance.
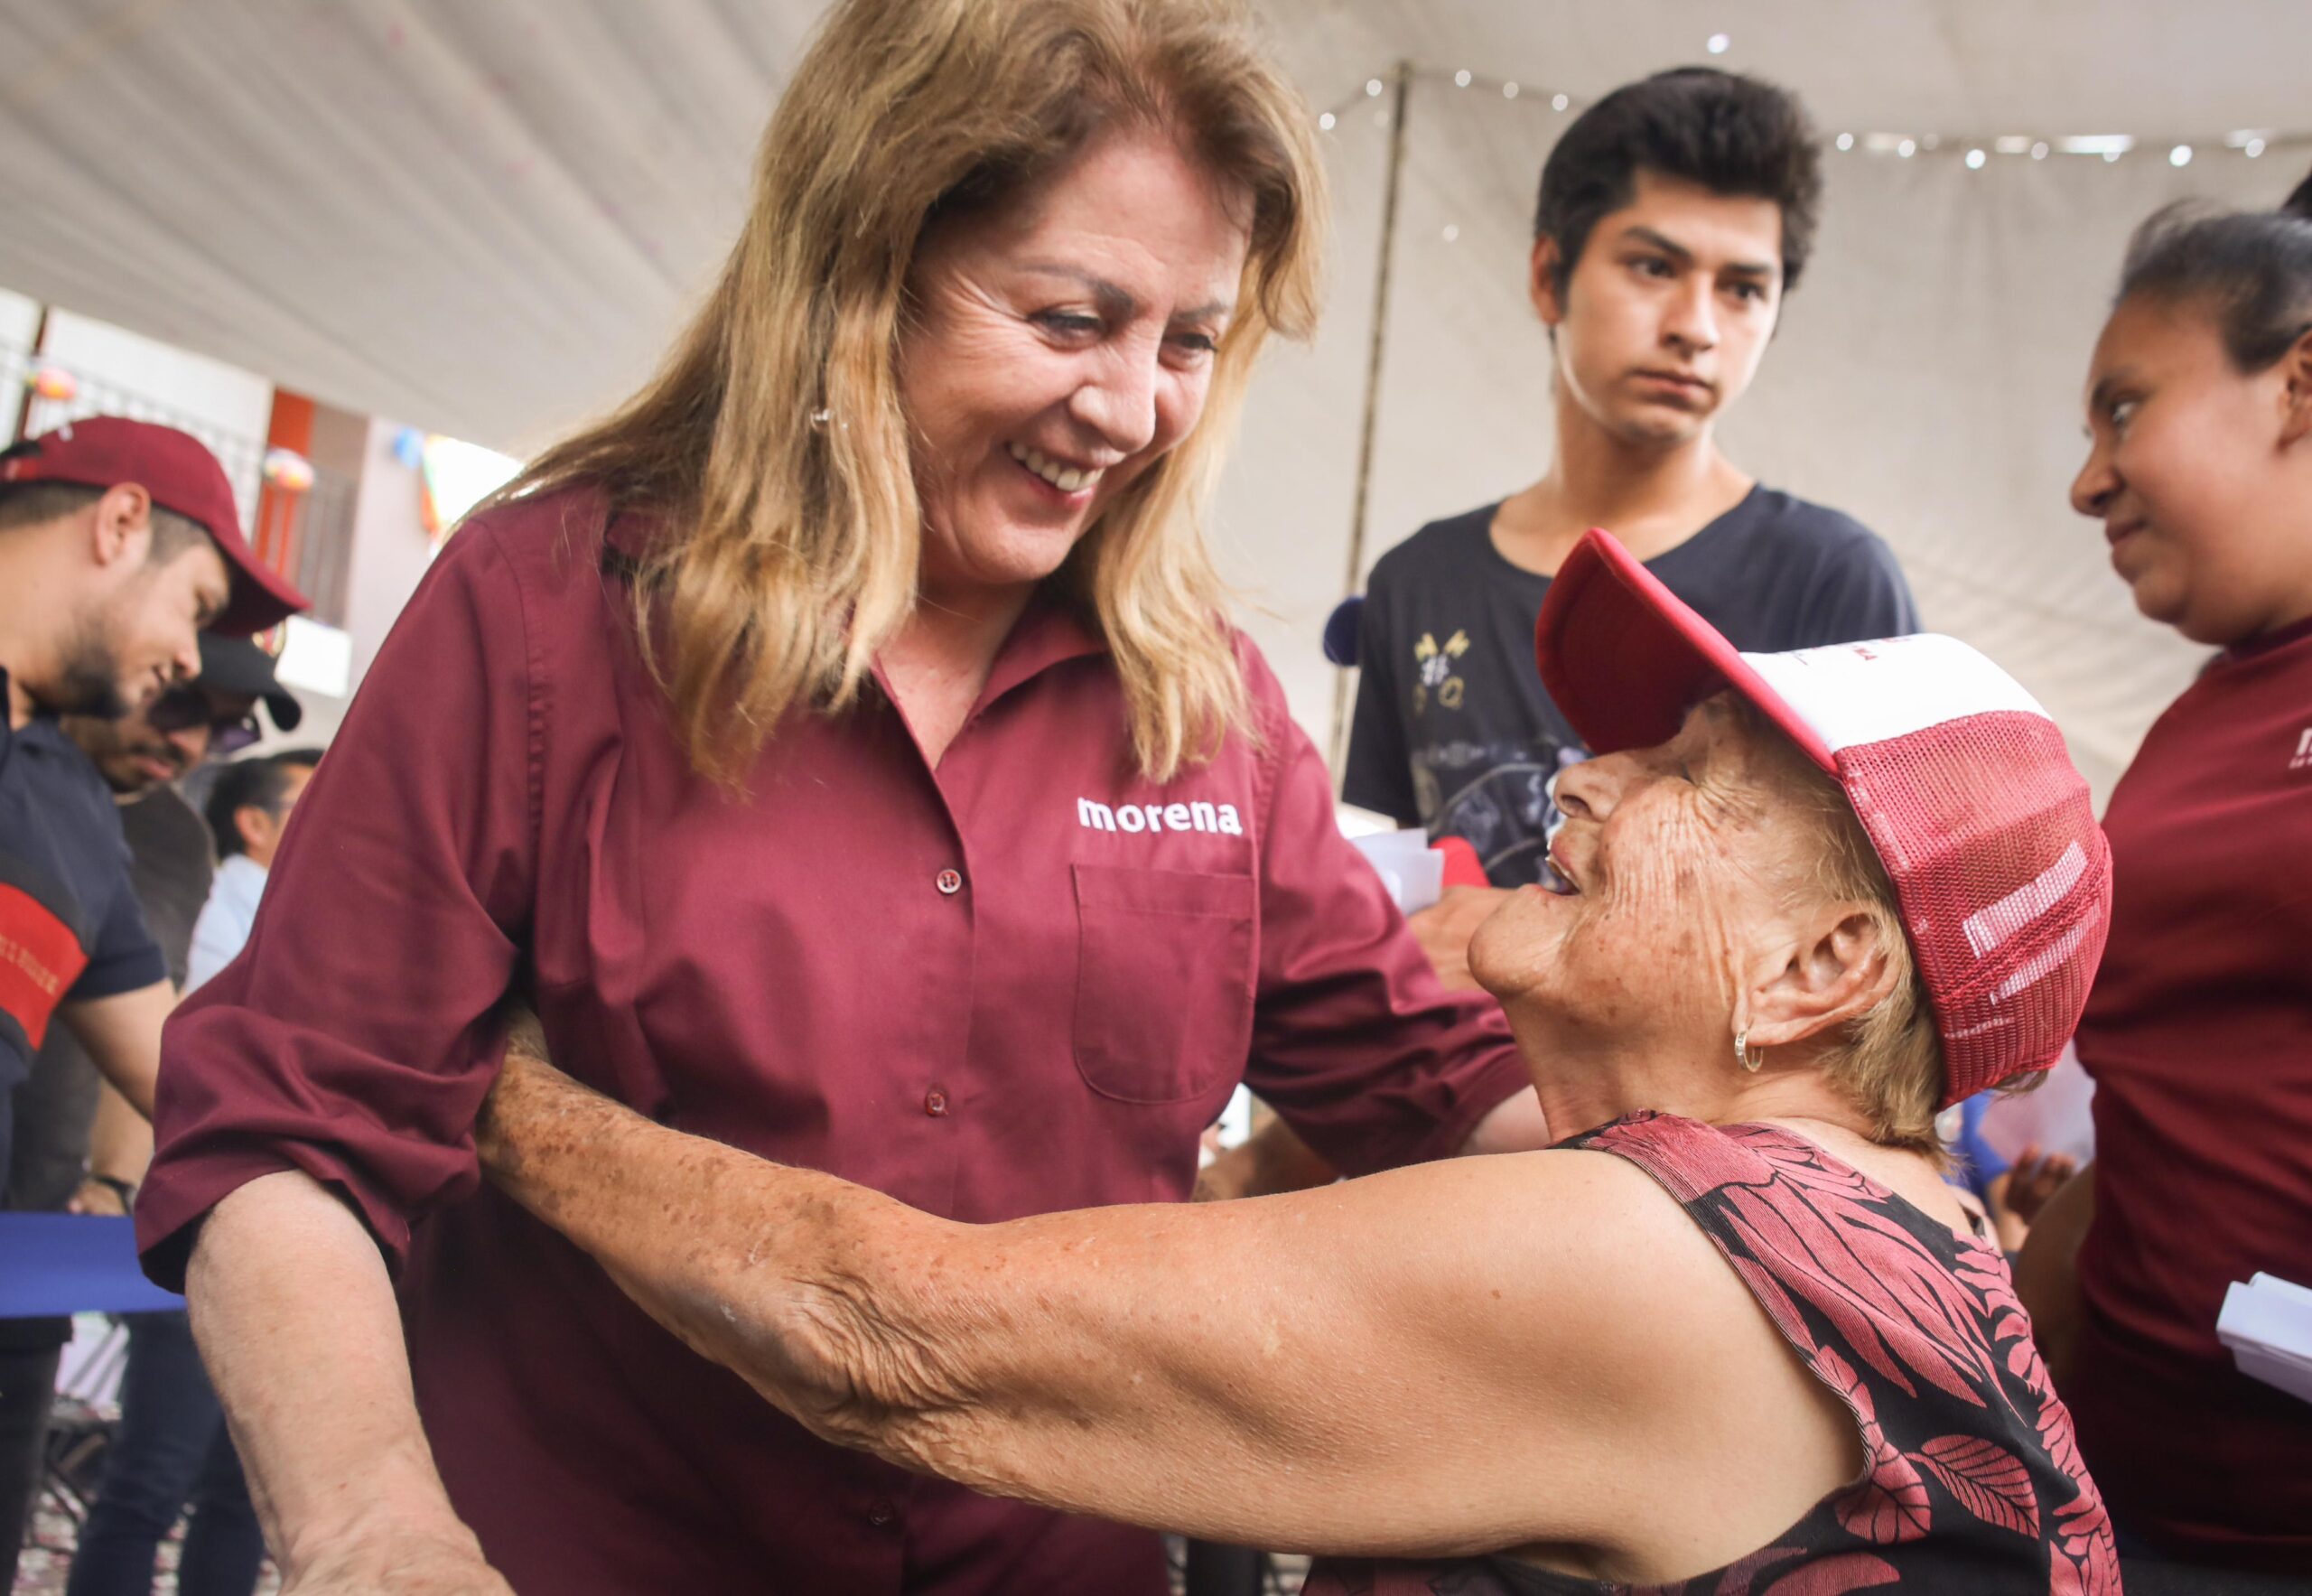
(1736, 1336)
(847, 744)
(2199, 1032)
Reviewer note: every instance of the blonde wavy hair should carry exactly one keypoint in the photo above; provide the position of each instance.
(773, 444)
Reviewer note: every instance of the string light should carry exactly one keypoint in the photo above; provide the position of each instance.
(1975, 150)
(1719, 43)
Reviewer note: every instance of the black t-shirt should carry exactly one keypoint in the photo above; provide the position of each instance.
(70, 926)
(169, 870)
(1453, 729)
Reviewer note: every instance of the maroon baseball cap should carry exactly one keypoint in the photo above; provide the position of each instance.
(1961, 780)
(181, 475)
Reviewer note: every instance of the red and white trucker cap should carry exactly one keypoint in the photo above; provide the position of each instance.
(181, 475)
(1961, 780)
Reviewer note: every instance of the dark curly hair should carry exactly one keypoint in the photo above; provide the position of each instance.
(1727, 133)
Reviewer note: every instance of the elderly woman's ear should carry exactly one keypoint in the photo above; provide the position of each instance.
(1835, 969)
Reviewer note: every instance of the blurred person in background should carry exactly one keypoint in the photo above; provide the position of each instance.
(248, 811)
(847, 744)
(120, 541)
(170, 1451)
(2199, 1032)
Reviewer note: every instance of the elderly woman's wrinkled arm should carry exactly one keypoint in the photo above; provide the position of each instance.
(1422, 1361)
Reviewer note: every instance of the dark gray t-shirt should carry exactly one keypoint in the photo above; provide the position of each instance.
(1453, 730)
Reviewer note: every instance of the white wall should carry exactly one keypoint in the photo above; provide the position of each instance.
(19, 320)
(206, 390)
(229, 410)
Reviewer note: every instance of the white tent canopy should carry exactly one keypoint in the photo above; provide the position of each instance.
(486, 217)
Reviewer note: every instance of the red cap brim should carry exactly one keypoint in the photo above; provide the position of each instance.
(1624, 658)
(261, 597)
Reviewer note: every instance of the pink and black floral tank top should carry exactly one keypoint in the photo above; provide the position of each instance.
(1972, 1481)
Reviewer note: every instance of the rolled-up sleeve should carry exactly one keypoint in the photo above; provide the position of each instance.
(1354, 1041)
(353, 1038)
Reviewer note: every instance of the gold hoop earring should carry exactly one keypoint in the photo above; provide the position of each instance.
(1742, 1054)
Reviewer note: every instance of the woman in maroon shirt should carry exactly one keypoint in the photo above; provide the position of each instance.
(1739, 1338)
(845, 745)
(2199, 1032)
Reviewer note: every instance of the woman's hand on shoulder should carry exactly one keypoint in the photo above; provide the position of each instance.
(1444, 929)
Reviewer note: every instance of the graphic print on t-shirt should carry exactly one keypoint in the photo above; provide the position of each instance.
(40, 954)
(1433, 672)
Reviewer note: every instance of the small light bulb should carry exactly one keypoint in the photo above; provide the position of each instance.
(2039, 151)
(1718, 43)
(1558, 102)
(2181, 156)
(2110, 157)
(1461, 79)
(1846, 141)
(1975, 159)
(2254, 147)
(1326, 122)
(1451, 232)
(1372, 87)
(1907, 148)
(1509, 92)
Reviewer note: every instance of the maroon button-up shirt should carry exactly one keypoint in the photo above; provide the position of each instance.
(1021, 982)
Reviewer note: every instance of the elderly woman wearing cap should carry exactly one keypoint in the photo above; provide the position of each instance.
(1739, 1335)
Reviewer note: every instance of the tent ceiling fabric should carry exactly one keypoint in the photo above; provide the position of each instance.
(486, 217)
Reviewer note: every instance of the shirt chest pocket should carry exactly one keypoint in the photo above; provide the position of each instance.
(1164, 980)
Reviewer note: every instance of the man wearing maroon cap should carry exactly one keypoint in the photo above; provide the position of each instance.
(120, 542)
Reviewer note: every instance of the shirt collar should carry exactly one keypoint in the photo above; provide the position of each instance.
(1048, 632)
(2280, 638)
(240, 879)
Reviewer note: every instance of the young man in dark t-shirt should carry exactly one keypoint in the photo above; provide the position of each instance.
(1673, 216)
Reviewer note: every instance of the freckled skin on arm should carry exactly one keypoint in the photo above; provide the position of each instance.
(1431, 1361)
